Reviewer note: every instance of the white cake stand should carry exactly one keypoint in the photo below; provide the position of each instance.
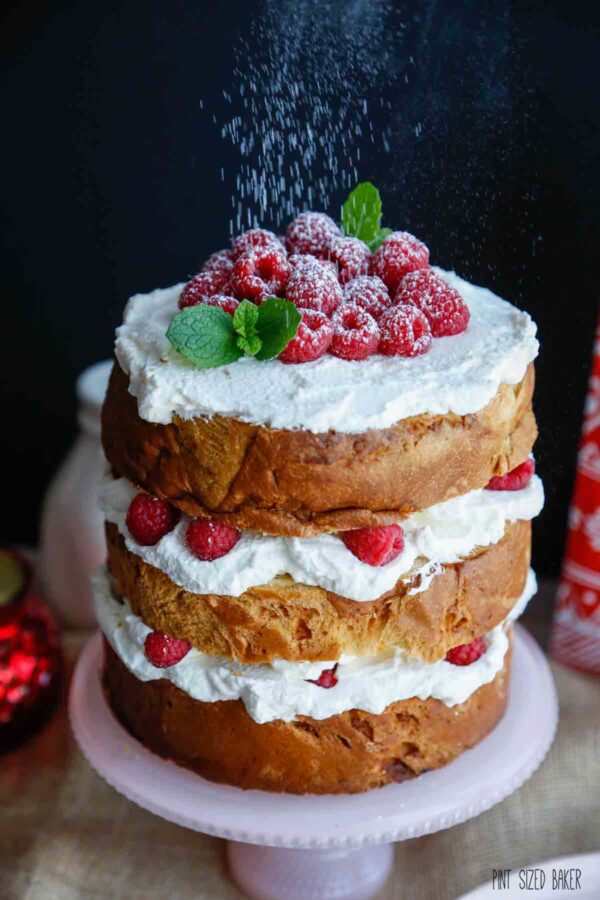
(341, 847)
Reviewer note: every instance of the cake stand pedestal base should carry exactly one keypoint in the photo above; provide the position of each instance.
(272, 873)
(284, 847)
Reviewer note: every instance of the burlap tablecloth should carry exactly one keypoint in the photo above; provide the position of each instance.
(65, 834)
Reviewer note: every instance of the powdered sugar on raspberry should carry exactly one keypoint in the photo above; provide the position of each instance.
(311, 340)
(370, 293)
(222, 301)
(255, 239)
(351, 257)
(355, 333)
(404, 332)
(399, 254)
(204, 284)
(311, 232)
(260, 273)
(314, 285)
(441, 304)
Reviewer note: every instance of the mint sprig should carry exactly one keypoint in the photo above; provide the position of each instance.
(276, 325)
(208, 337)
(361, 216)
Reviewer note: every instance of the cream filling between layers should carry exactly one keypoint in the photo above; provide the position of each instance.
(440, 535)
(280, 690)
(460, 374)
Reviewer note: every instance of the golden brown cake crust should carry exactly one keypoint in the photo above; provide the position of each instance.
(347, 753)
(287, 620)
(299, 483)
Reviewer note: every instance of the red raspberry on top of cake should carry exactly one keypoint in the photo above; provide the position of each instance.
(298, 260)
(204, 284)
(222, 301)
(315, 286)
(351, 257)
(442, 305)
(370, 293)
(311, 340)
(255, 239)
(404, 332)
(399, 254)
(355, 333)
(311, 232)
(260, 274)
(221, 261)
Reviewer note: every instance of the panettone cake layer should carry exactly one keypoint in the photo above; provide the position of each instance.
(296, 482)
(289, 620)
(346, 753)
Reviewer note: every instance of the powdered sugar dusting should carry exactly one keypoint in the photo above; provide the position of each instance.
(299, 99)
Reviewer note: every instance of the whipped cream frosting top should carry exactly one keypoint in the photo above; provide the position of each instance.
(441, 534)
(280, 690)
(460, 374)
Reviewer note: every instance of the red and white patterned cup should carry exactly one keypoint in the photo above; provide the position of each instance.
(576, 629)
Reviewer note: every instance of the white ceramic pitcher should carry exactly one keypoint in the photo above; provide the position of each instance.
(72, 531)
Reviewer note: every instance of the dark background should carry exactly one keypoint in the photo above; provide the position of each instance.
(111, 186)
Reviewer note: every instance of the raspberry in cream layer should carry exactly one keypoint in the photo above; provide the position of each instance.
(460, 374)
(440, 535)
(283, 690)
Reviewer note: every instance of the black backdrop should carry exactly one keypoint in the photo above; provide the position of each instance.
(111, 186)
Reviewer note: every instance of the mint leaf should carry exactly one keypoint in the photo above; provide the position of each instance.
(244, 318)
(250, 345)
(361, 215)
(276, 325)
(205, 336)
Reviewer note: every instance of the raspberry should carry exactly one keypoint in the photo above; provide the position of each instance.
(297, 260)
(311, 232)
(355, 333)
(444, 308)
(221, 261)
(404, 332)
(205, 284)
(260, 274)
(149, 519)
(351, 257)
(327, 678)
(465, 654)
(516, 480)
(311, 340)
(164, 651)
(256, 239)
(222, 301)
(208, 539)
(398, 255)
(375, 546)
(370, 293)
(314, 285)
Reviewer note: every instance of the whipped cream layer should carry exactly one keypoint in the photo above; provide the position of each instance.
(441, 534)
(460, 374)
(280, 690)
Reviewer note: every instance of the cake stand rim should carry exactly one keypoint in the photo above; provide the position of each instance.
(120, 745)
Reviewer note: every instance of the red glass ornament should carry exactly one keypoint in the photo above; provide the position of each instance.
(30, 659)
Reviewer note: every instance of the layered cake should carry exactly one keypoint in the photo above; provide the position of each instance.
(318, 497)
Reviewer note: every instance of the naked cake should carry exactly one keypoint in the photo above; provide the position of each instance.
(318, 502)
